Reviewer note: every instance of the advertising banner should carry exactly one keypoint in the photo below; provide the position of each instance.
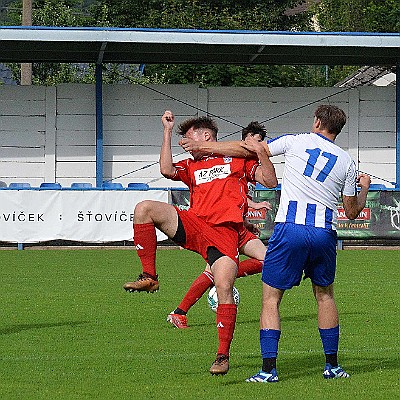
(380, 219)
(31, 216)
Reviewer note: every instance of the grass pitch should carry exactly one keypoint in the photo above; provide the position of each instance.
(69, 331)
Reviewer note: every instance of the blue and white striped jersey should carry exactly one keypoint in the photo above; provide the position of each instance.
(316, 172)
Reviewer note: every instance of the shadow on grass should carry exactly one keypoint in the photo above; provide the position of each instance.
(297, 318)
(289, 318)
(26, 327)
(370, 364)
(295, 366)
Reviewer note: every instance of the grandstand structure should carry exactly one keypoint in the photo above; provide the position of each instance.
(106, 137)
(141, 46)
(49, 133)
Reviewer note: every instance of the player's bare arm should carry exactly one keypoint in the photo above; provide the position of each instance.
(353, 205)
(233, 149)
(259, 205)
(265, 173)
(167, 168)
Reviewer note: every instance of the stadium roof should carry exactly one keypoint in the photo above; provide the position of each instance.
(185, 46)
(154, 46)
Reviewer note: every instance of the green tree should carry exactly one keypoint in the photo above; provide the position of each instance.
(358, 15)
(65, 13)
(50, 13)
(383, 16)
(201, 14)
(214, 15)
(269, 15)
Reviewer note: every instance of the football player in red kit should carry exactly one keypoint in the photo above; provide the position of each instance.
(212, 226)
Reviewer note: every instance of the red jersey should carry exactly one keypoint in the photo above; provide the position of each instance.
(218, 186)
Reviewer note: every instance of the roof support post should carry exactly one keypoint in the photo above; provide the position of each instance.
(398, 125)
(99, 126)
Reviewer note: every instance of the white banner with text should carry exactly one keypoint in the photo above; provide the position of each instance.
(31, 216)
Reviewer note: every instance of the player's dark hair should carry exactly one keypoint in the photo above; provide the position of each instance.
(332, 118)
(254, 128)
(197, 123)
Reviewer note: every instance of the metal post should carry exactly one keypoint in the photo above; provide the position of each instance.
(99, 126)
(26, 68)
(398, 125)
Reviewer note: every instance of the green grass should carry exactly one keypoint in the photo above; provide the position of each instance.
(69, 331)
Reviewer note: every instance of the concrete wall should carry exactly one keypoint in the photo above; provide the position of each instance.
(48, 133)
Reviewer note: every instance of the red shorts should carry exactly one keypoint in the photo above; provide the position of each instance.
(200, 236)
(245, 236)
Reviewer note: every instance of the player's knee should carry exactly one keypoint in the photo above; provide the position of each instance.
(224, 290)
(142, 208)
(323, 293)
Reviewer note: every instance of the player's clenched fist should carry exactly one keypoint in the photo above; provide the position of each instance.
(168, 119)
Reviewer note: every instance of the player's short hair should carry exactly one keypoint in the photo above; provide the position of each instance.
(197, 123)
(254, 128)
(332, 118)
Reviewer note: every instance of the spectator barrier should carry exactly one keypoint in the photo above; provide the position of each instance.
(380, 219)
(86, 214)
(93, 216)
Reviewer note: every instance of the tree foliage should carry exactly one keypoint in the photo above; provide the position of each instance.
(210, 15)
(201, 14)
(268, 15)
(50, 13)
(358, 15)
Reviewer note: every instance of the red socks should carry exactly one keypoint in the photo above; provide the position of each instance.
(250, 266)
(200, 285)
(226, 320)
(204, 281)
(145, 240)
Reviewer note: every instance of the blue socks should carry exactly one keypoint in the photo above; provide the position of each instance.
(269, 339)
(330, 343)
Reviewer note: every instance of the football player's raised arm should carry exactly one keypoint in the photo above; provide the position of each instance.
(265, 173)
(234, 148)
(353, 205)
(167, 168)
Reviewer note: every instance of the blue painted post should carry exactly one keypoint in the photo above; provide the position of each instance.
(20, 246)
(99, 126)
(398, 125)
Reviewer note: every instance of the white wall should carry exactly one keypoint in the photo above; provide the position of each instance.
(48, 134)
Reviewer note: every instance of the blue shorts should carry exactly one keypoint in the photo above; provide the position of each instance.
(294, 249)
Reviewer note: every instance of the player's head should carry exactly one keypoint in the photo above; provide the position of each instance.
(198, 124)
(331, 118)
(254, 128)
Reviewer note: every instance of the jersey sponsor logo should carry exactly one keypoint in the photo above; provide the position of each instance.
(210, 174)
(365, 215)
(227, 159)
